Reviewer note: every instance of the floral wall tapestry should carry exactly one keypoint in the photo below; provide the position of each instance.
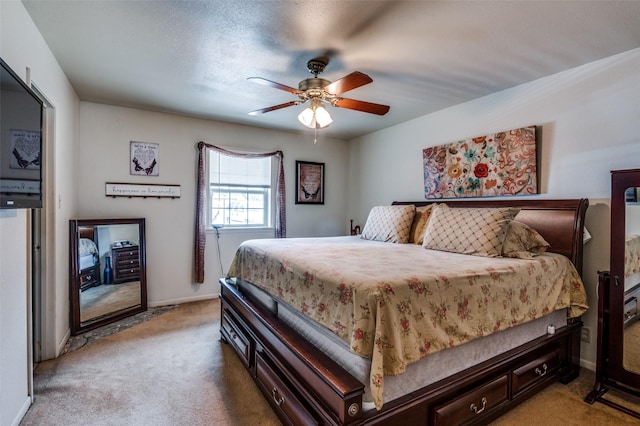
(499, 164)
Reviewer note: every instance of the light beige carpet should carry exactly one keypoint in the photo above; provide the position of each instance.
(108, 298)
(174, 370)
(171, 370)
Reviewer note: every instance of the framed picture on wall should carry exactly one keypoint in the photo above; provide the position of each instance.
(309, 182)
(144, 159)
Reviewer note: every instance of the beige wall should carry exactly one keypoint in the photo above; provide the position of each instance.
(104, 155)
(22, 46)
(589, 119)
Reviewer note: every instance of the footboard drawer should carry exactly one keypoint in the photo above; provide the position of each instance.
(474, 405)
(536, 370)
(288, 407)
(236, 336)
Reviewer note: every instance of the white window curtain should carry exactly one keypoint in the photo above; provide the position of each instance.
(201, 201)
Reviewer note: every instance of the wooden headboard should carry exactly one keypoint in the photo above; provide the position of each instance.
(560, 222)
(87, 232)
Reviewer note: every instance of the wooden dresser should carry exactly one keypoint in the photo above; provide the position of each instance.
(126, 263)
(90, 277)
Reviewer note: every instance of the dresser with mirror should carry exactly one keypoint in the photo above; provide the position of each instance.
(618, 361)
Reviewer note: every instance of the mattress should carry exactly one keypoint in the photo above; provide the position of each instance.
(422, 373)
(87, 261)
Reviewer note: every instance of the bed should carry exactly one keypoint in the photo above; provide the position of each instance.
(88, 259)
(631, 279)
(320, 365)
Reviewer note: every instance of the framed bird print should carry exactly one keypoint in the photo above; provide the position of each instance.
(309, 182)
(25, 149)
(144, 159)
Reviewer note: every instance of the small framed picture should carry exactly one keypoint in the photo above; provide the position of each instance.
(144, 159)
(309, 182)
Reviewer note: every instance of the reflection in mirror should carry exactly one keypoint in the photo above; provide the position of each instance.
(108, 274)
(631, 354)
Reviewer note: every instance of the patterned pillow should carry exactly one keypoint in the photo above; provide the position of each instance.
(389, 223)
(523, 242)
(476, 231)
(420, 222)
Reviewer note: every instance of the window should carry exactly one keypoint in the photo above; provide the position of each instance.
(204, 209)
(240, 191)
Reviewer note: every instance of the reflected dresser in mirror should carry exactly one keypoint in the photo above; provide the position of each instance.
(107, 273)
(618, 363)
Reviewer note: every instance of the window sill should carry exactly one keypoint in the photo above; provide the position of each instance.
(231, 230)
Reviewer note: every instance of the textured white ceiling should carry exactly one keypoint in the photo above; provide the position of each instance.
(194, 57)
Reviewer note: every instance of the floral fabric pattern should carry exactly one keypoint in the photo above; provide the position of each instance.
(397, 303)
(420, 222)
(632, 255)
(503, 163)
(523, 242)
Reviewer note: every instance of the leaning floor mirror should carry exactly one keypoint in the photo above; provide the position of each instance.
(108, 277)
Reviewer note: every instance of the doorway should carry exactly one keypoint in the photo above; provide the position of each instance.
(42, 244)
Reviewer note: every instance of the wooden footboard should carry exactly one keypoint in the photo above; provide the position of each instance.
(304, 386)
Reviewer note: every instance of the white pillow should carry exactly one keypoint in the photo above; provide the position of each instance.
(475, 231)
(389, 223)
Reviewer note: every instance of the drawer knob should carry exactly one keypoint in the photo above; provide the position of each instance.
(475, 408)
(541, 371)
(278, 401)
(353, 409)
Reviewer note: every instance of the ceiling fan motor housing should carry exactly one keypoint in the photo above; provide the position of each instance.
(317, 65)
(313, 83)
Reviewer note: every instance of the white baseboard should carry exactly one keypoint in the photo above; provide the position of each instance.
(63, 342)
(589, 365)
(22, 412)
(155, 304)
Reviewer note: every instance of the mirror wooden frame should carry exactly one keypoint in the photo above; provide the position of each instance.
(77, 326)
(610, 370)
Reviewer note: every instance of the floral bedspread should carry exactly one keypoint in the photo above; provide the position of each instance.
(397, 303)
(632, 255)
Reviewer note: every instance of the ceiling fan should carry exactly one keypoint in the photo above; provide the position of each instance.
(319, 91)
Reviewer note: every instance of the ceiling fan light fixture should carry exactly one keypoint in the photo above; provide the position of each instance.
(306, 118)
(322, 117)
(315, 119)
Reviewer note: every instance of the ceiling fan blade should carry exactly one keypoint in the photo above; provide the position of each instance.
(275, 107)
(270, 83)
(349, 82)
(361, 106)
